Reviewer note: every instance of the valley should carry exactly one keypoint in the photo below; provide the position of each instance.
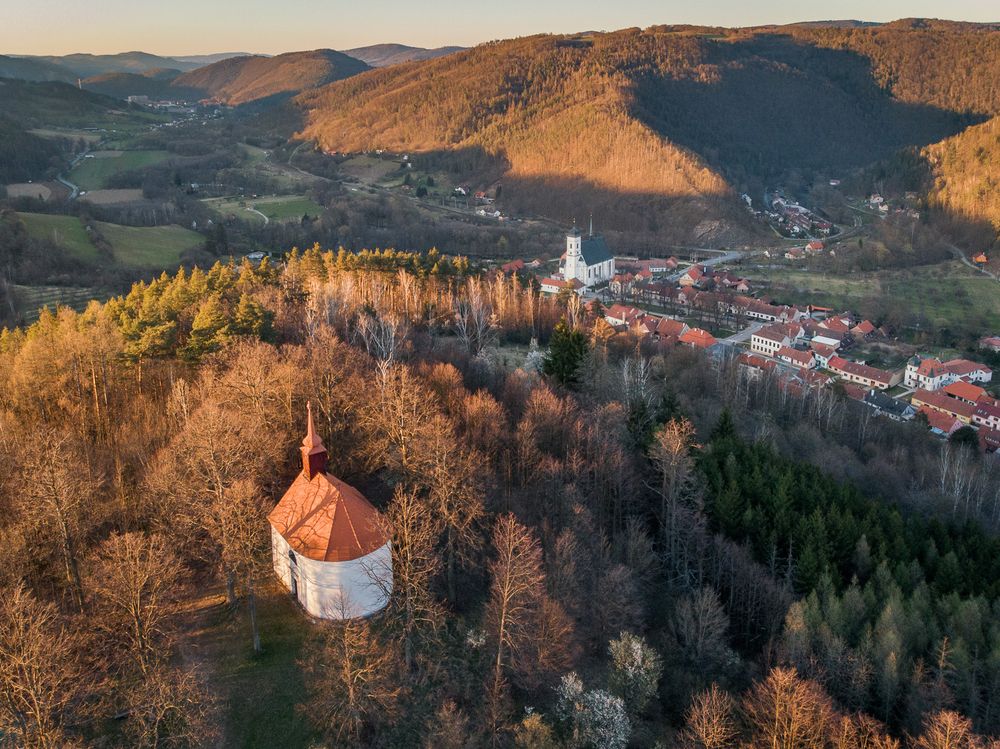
(534, 388)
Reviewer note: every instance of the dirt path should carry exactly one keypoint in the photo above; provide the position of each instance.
(198, 619)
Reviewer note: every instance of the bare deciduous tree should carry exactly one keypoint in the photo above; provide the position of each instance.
(39, 678)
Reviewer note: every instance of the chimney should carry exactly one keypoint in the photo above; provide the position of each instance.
(313, 452)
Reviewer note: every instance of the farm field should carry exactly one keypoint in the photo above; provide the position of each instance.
(113, 197)
(93, 174)
(37, 190)
(149, 246)
(88, 136)
(31, 299)
(159, 247)
(946, 294)
(65, 231)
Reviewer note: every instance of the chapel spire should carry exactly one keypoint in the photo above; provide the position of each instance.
(314, 454)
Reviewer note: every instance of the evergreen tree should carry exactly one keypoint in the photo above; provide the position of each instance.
(208, 331)
(567, 350)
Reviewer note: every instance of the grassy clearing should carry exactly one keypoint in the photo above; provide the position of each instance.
(93, 174)
(286, 207)
(259, 693)
(64, 231)
(236, 207)
(947, 293)
(149, 246)
(369, 169)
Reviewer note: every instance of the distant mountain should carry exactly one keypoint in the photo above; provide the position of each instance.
(86, 65)
(842, 24)
(33, 70)
(663, 127)
(241, 80)
(217, 57)
(384, 55)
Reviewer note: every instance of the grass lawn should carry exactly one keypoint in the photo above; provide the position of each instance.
(64, 231)
(285, 207)
(149, 246)
(93, 174)
(258, 693)
(946, 293)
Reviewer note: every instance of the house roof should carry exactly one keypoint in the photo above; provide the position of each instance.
(595, 250)
(574, 283)
(987, 408)
(941, 422)
(803, 358)
(327, 520)
(942, 402)
(669, 326)
(989, 440)
(930, 367)
(840, 364)
(887, 403)
(964, 390)
(698, 338)
(964, 367)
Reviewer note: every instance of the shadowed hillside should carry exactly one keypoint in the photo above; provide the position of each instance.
(240, 80)
(677, 116)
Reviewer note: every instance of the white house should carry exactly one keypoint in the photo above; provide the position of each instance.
(587, 259)
(329, 546)
(931, 374)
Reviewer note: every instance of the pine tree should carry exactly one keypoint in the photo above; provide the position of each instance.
(567, 350)
(208, 331)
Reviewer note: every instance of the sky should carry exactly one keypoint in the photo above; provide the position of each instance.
(186, 27)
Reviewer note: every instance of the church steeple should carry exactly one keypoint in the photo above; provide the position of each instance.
(314, 454)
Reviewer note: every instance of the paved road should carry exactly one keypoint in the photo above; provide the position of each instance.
(965, 260)
(744, 335)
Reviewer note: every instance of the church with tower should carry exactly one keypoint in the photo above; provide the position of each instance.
(587, 258)
(329, 546)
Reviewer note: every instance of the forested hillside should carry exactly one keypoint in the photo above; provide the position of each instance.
(677, 118)
(966, 183)
(239, 80)
(596, 543)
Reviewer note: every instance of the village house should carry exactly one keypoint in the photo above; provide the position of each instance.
(932, 374)
(989, 441)
(754, 367)
(862, 374)
(329, 546)
(822, 353)
(587, 259)
(990, 343)
(692, 276)
(943, 404)
(987, 414)
(514, 266)
(941, 424)
(802, 359)
(886, 405)
(698, 338)
(620, 314)
(964, 391)
(768, 341)
(555, 285)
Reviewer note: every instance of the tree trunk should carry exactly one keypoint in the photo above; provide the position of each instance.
(252, 609)
(230, 588)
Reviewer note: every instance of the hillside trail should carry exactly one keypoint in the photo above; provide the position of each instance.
(965, 261)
